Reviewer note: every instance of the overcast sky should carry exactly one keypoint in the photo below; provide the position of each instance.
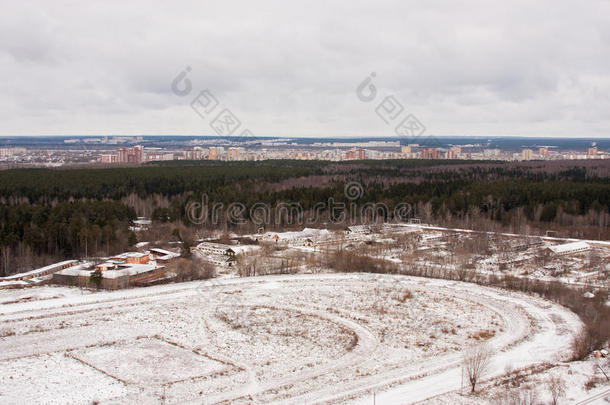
(287, 68)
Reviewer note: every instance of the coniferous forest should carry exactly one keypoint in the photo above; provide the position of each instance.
(51, 214)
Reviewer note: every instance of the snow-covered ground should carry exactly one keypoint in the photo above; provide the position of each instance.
(326, 338)
(45, 292)
(532, 385)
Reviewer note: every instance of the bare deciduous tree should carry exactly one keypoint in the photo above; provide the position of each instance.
(191, 269)
(476, 361)
(523, 395)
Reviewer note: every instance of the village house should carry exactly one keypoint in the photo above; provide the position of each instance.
(33, 277)
(162, 255)
(306, 237)
(221, 254)
(212, 248)
(120, 271)
(220, 260)
(359, 230)
(569, 248)
(218, 254)
(432, 236)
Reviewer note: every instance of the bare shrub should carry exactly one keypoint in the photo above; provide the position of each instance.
(403, 295)
(580, 346)
(592, 383)
(192, 269)
(483, 334)
(349, 262)
(234, 317)
(380, 308)
(525, 395)
(476, 362)
(204, 270)
(4, 332)
(352, 343)
(594, 313)
(183, 268)
(599, 367)
(557, 389)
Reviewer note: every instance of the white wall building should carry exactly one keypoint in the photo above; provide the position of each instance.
(570, 248)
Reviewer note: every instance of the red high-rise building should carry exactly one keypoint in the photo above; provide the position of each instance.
(429, 153)
(355, 154)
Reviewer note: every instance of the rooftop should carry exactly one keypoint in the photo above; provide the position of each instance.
(304, 234)
(569, 247)
(122, 270)
(37, 271)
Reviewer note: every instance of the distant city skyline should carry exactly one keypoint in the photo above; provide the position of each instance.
(537, 69)
(328, 136)
(137, 150)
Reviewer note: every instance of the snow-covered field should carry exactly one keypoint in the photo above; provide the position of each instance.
(277, 339)
(12, 296)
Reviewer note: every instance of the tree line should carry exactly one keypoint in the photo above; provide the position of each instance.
(33, 235)
(63, 213)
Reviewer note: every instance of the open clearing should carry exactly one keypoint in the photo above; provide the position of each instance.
(327, 338)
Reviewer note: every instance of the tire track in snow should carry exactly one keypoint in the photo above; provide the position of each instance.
(363, 350)
(552, 337)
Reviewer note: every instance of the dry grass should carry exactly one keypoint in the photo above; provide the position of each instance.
(403, 296)
(483, 334)
(4, 332)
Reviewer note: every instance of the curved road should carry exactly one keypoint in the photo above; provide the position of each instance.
(519, 346)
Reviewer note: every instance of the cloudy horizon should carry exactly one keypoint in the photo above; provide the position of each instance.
(292, 70)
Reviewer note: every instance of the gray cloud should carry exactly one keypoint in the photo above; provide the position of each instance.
(291, 69)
